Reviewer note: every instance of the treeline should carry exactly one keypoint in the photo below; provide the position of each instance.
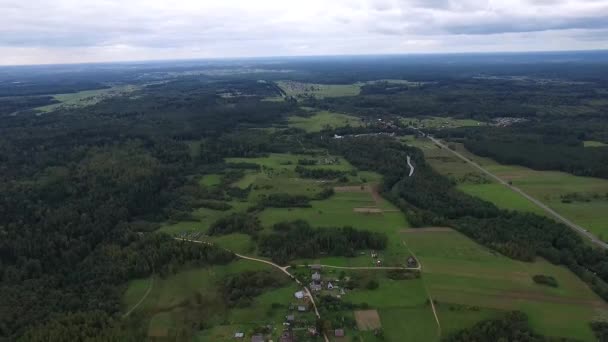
(554, 145)
(293, 240)
(428, 198)
(10, 105)
(236, 223)
(316, 173)
(239, 289)
(513, 327)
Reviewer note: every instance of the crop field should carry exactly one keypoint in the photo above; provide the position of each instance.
(400, 307)
(298, 89)
(464, 276)
(193, 296)
(86, 98)
(322, 120)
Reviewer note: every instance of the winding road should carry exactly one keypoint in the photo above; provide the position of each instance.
(538, 203)
(409, 163)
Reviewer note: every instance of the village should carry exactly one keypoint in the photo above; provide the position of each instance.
(322, 283)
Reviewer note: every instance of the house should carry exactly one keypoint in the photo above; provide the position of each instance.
(257, 338)
(330, 286)
(316, 277)
(411, 262)
(312, 331)
(290, 318)
(299, 294)
(339, 333)
(316, 287)
(302, 308)
(239, 335)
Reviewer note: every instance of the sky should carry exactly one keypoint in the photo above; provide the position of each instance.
(76, 31)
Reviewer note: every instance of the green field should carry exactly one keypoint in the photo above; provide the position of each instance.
(547, 186)
(86, 98)
(591, 143)
(322, 120)
(191, 297)
(210, 180)
(458, 271)
(298, 89)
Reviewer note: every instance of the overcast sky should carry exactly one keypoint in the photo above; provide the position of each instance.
(71, 31)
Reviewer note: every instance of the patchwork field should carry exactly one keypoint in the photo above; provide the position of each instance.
(466, 277)
(322, 120)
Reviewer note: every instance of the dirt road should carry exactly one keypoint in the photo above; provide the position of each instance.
(541, 205)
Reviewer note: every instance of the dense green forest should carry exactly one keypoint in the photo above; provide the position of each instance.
(543, 146)
(82, 189)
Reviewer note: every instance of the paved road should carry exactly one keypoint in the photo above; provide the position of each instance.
(409, 163)
(541, 205)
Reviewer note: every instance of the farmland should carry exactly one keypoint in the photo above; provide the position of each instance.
(580, 199)
(464, 277)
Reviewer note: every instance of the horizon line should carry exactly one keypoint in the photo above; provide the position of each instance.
(404, 54)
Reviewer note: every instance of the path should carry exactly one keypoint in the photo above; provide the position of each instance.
(428, 294)
(409, 163)
(370, 267)
(142, 298)
(538, 203)
(281, 268)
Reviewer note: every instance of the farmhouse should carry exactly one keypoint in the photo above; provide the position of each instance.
(239, 335)
(339, 333)
(290, 318)
(411, 262)
(299, 294)
(316, 277)
(316, 287)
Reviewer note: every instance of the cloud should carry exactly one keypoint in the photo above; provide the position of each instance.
(38, 31)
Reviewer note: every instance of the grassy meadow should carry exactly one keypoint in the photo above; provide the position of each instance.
(86, 97)
(322, 120)
(466, 277)
(550, 187)
(298, 89)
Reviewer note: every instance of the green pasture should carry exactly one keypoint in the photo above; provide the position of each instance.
(193, 294)
(298, 89)
(459, 271)
(322, 120)
(591, 143)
